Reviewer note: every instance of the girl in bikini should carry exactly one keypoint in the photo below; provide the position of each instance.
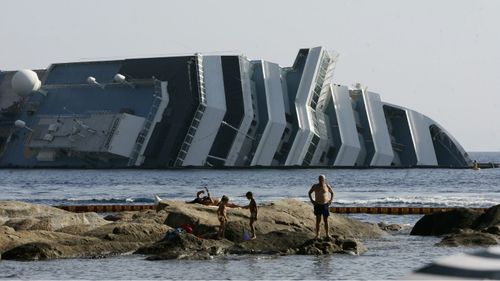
(222, 216)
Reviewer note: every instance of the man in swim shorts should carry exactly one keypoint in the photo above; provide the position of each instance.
(321, 203)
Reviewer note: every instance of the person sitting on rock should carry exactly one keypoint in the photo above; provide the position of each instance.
(321, 203)
(253, 212)
(205, 200)
(222, 216)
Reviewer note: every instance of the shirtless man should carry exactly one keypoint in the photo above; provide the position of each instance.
(321, 203)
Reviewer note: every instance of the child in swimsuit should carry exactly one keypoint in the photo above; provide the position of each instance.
(253, 213)
(222, 216)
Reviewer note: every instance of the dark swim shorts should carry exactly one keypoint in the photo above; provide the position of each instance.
(322, 209)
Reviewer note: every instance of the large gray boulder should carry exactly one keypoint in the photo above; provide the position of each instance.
(34, 232)
(440, 223)
(488, 219)
(26, 216)
(462, 227)
(16, 209)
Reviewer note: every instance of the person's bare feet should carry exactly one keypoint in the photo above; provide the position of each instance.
(253, 238)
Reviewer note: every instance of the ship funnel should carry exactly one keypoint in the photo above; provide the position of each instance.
(25, 81)
(120, 78)
(92, 81)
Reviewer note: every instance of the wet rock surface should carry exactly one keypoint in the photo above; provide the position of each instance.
(392, 227)
(36, 232)
(462, 227)
(470, 238)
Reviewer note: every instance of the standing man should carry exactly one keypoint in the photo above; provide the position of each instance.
(321, 203)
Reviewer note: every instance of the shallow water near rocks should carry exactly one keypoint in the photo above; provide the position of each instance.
(387, 258)
(390, 257)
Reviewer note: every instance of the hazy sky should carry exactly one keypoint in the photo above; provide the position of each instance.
(440, 58)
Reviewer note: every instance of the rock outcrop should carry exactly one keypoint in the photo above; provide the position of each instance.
(284, 227)
(462, 227)
(470, 238)
(287, 215)
(34, 232)
(445, 222)
(25, 216)
(490, 218)
(393, 227)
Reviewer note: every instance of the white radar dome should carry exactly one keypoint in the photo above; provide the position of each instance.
(20, 123)
(120, 78)
(25, 81)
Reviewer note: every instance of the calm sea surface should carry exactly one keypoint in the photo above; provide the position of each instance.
(391, 257)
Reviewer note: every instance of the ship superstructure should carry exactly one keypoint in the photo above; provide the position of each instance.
(209, 111)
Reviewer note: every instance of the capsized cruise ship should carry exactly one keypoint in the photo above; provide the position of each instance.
(210, 111)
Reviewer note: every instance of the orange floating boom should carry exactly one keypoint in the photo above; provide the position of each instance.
(394, 210)
(339, 210)
(105, 208)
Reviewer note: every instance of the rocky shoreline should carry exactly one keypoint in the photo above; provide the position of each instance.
(37, 232)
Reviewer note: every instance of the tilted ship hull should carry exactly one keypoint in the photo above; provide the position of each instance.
(209, 111)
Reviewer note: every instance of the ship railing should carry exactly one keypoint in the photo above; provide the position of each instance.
(397, 146)
(311, 150)
(148, 123)
(201, 79)
(7, 123)
(325, 72)
(188, 139)
(135, 81)
(114, 126)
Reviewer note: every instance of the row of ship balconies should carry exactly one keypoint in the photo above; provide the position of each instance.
(297, 117)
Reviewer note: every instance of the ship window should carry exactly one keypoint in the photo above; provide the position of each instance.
(322, 158)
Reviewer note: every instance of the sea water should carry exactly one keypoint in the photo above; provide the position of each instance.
(389, 257)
